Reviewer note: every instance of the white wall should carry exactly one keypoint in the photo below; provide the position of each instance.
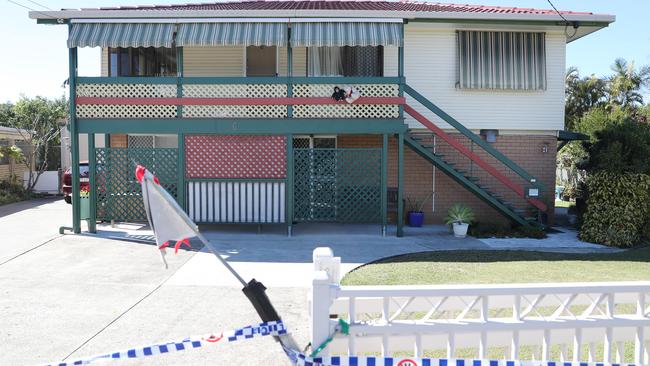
(431, 69)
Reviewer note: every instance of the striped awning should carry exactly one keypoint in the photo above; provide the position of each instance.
(121, 35)
(332, 34)
(232, 34)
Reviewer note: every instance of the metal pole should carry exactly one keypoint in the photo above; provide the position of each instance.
(384, 184)
(400, 70)
(400, 185)
(289, 73)
(180, 189)
(289, 185)
(74, 139)
(92, 197)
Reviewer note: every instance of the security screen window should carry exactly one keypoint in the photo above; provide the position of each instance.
(141, 61)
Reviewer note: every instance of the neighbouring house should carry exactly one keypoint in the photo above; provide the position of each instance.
(229, 103)
(10, 169)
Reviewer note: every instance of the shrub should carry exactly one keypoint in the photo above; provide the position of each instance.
(11, 192)
(618, 208)
(621, 148)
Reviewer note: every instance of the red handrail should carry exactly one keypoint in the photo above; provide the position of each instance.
(473, 157)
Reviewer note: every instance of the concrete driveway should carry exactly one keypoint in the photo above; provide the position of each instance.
(67, 296)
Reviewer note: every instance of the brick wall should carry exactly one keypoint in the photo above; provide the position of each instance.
(525, 150)
(119, 140)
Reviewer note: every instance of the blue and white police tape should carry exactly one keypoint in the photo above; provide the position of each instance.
(251, 331)
(300, 359)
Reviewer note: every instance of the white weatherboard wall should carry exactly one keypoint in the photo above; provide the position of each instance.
(431, 68)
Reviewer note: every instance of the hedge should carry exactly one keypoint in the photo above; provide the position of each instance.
(618, 208)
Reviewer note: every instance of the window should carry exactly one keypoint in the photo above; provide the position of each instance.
(314, 142)
(4, 160)
(345, 61)
(142, 61)
(501, 60)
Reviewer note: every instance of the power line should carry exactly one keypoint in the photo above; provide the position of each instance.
(41, 5)
(31, 9)
(566, 22)
(554, 8)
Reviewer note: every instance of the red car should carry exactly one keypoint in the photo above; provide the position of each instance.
(67, 180)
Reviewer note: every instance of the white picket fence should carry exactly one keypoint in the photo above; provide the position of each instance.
(566, 322)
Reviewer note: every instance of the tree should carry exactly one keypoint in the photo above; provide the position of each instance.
(582, 94)
(37, 121)
(627, 83)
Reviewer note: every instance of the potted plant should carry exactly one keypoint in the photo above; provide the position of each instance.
(459, 216)
(415, 216)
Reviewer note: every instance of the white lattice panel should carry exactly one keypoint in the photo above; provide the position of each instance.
(235, 91)
(127, 90)
(346, 111)
(326, 90)
(125, 111)
(237, 111)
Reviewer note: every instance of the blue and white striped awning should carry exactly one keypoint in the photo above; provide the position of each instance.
(332, 34)
(121, 35)
(232, 34)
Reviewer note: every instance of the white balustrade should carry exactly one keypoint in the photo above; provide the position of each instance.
(597, 322)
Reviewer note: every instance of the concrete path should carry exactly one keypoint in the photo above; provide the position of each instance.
(66, 296)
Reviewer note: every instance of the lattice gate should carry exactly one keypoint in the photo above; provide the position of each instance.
(337, 185)
(119, 195)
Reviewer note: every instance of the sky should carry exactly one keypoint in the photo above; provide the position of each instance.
(35, 60)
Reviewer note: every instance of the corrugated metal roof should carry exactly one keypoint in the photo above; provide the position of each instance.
(376, 5)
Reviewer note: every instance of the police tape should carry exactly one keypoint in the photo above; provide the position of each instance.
(300, 359)
(263, 329)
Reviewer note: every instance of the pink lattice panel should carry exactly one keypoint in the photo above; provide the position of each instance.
(251, 157)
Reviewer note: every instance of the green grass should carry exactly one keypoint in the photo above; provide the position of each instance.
(565, 204)
(488, 266)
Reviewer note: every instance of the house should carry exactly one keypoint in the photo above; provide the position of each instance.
(10, 169)
(229, 103)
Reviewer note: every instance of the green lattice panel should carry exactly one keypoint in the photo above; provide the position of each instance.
(119, 195)
(337, 185)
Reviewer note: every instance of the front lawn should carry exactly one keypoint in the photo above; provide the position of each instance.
(489, 266)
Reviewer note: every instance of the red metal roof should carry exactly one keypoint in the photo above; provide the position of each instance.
(369, 5)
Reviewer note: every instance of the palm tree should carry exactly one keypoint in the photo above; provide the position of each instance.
(581, 95)
(626, 84)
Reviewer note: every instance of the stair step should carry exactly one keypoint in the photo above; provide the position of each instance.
(473, 179)
(530, 219)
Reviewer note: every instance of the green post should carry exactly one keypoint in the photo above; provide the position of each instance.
(288, 196)
(92, 184)
(400, 69)
(179, 79)
(180, 185)
(400, 185)
(384, 185)
(74, 140)
(107, 140)
(289, 74)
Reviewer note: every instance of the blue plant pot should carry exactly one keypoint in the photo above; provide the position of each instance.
(415, 219)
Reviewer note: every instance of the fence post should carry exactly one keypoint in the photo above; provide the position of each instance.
(326, 274)
(639, 337)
